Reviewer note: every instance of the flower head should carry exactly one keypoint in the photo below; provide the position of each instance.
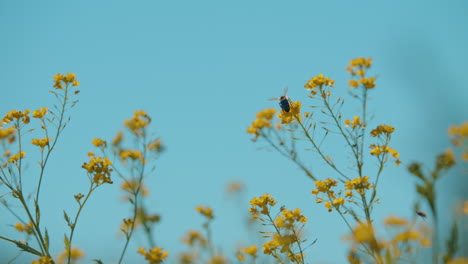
(319, 80)
(155, 255)
(205, 211)
(262, 121)
(294, 113)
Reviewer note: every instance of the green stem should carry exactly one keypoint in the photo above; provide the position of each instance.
(73, 226)
(135, 205)
(49, 150)
(318, 149)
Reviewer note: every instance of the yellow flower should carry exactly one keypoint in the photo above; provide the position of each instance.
(7, 133)
(288, 218)
(156, 145)
(446, 160)
(319, 80)
(263, 120)
(43, 260)
(118, 139)
(252, 251)
(355, 123)
(263, 202)
(186, 258)
(354, 83)
(193, 237)
(132, 186)
(100, 168)
(377, 150)
(205, 211)
(28, 228)
(359, 184)
(217, 259)
(75, 254)
(458, 260)
(41, 142)
(131, 154)
(382, 129)
(395, 221)
(97, 142)
(288, 117)
(16, 115)
(369, 83)
(138, 122)
(234, 187)
(14, 158)
(155, 255)
(40, 113)
(357, 64)
(68, 78)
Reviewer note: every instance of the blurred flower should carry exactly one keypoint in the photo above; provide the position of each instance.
(155, 255)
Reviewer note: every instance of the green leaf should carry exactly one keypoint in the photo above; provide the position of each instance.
(98, 261)
(26, 248)
(67, 219)
(46, 239)
(66, 241)
(452, 243)
(38, 213)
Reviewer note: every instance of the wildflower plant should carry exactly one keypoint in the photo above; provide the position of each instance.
(132, 168)
(352, 195)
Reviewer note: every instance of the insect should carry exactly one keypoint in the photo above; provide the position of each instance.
(421, 214)
(284, 101)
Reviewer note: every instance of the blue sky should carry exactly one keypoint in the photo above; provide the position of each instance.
(202, 69)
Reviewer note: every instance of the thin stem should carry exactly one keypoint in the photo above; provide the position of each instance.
(135, 205)
(73, 225)
(286, 154)
(49, 150)
(318, 149)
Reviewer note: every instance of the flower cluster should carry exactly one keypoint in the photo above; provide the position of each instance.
(205, 211)
(377, 150)
(324, 190)
(155, 255)
(288, 218)
(459, 135)
(250, 251)
(294, 111)
(41, 142)
(358, 67)
(359, 184)
(43, 260)
(138, 122)
(17, 115)
(15, 157)
(8, 134)
(131, 186)
(99, 168)
(382, 129)
(156, 145)
(40, 113)
(356, 122)
(445, 160)
(194, 237)
(28, 228)
(263, 120)
(75, 254)
(68, 78)
(132, 155)
(263, 203)
(318, 81)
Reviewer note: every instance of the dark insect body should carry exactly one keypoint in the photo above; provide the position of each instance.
(284, 101)
(421, 214)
